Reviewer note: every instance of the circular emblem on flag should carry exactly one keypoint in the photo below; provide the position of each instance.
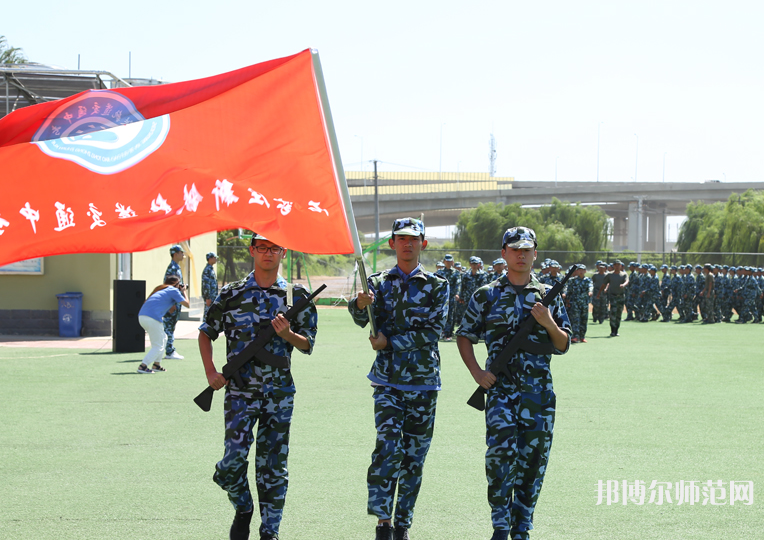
(102, 131)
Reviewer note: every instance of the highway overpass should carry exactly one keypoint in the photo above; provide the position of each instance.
(443, 196)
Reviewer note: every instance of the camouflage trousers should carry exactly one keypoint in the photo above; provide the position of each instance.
(448, 329)
(668, 311)
(404, 422)
(273, 417)
(599, 308)
(459, 309)
(708, 309)
(616, 310)
(646, 308)
(519, 438)
(170, 320)
(579, 318)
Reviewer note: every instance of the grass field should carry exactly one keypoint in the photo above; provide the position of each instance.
(92, 450)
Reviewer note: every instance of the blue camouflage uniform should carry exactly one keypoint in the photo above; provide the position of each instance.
(266, 399)
(519, 413)
(470, 283)
(169, 320)
(578, 296)
(454, 279)
(410, 311)
(209, 284)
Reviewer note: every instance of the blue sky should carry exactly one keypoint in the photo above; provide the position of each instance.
(682, 80)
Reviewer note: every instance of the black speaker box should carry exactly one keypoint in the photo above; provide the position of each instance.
(127, 333)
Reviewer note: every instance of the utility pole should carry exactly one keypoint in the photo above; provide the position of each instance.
(376, 203)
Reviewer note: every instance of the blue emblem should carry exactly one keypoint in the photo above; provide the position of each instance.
(101, 131)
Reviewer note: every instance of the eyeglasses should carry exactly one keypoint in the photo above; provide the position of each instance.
(275, 250)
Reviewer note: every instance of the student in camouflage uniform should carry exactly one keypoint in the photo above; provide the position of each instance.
(700, 283)
(615, 286)
(724, 293)
(519, 412)
(718, 291)
(650, 295)
(599, 301)
(579, 293)
(410, 307)
(267, 395)
(665, 289)
(498, 270)
(471, 281)
(675, 289)
(170, 318)
(688, 295)
(707, 296)
(454, 279)
(209, 283)
(632, 291)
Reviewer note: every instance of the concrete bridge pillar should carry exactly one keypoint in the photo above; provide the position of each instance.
(620, 233)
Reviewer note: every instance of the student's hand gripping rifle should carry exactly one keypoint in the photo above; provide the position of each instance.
(255, 350)
(365, 285)
(503, 362)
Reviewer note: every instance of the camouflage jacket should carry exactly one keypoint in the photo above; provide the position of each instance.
(676, 287)
(454, 279)
(209, 283)
(173, 269)
(578, 291)
(689, 286)
(549, 280)
(472, 283)
(411, 312)
(240, 311)
(496, 310)
(700, 283)
(651, 286)
(666, 283)
(493, 276)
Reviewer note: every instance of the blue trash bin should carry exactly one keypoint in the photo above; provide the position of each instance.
(70, 314)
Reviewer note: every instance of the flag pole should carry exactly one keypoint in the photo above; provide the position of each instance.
(342, 182)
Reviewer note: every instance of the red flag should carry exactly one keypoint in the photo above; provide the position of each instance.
(130, 169)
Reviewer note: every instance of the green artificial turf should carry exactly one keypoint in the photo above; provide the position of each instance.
(92, 450)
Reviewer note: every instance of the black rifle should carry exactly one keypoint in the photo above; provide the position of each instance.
(255, 350)
(365, 285)
(503, 362)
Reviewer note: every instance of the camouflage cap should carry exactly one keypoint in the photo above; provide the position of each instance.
(673, 267)
(176, 249)
(457, 265)
(257, 236)
(499, 261)
(210, 255)
(519, 238)
(474, 260)
(448, 257)
(440, 264)
(618, 261)
(664, 266)
(725, 267)
(408, 227)
(698, 267)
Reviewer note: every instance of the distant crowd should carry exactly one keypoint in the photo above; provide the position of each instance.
(710, 293)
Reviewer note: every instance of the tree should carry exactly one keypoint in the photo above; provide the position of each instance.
(11, 55)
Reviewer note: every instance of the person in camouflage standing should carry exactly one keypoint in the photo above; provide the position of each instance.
(519, 412)
(615, 286)
(209, 283)
(454, 279)
(665, 289)
(675, 291)
(579, 293)
(708, 296)
(700, 283)
(170, 319)
(724, 291)
(760, 297)
(471, 281)
(267, 395)
(498, 270)
(650, 295)
(599, 301)
(718, 291)
(688, 294)
(410, 307)
(632, 291)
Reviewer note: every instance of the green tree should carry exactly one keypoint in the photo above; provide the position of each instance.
(11, 55)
